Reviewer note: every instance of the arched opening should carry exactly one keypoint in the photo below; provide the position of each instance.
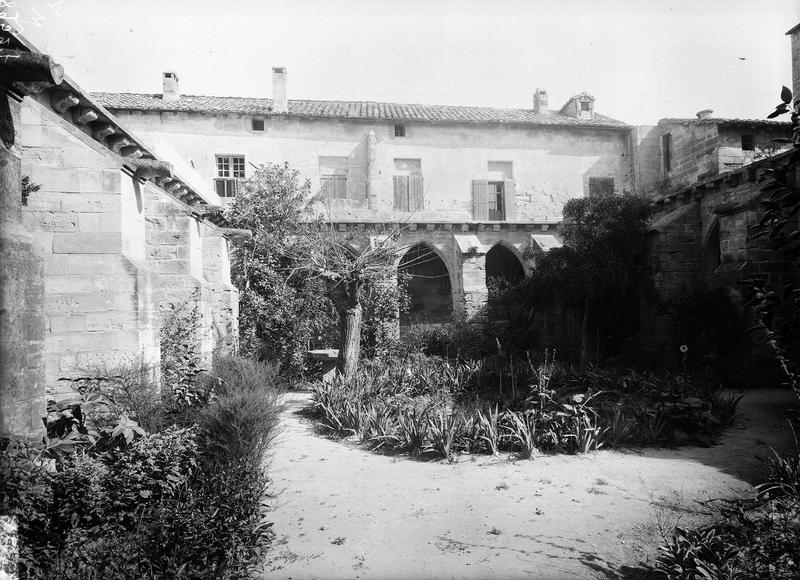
(431, 300)
(503, 270)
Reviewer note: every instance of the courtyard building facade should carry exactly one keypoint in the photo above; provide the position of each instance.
(476, 190)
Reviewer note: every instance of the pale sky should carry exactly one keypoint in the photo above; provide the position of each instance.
(643, 60)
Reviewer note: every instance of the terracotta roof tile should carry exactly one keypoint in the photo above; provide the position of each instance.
(727, 122)
(350, 110)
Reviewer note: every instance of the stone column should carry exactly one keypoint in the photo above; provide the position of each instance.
(22, 324)
(475, 293)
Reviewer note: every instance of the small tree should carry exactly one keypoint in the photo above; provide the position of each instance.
(320, 253)
(280, 311)
(296, 275)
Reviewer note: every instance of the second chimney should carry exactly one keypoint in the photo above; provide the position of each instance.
(280, 103)
(169, 83)
(704, 114)
(540, 101)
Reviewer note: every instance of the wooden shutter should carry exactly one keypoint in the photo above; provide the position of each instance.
(340, 186)
(416, 200)
(509, 200)
(401, 192)
(326, 181)
(480, 202)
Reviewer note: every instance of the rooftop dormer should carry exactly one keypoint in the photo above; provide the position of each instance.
(579, 107)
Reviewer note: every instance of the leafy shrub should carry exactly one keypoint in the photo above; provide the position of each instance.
(696, 554)
(185, 501)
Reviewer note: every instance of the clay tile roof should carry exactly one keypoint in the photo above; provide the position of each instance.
(728, 122)
(350, 110)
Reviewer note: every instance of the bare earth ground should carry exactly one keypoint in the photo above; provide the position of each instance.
(341, 511)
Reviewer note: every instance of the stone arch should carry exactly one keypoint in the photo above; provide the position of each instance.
(503, 261)
(430, 285)
(503, 269)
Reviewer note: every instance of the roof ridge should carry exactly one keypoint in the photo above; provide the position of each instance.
(338, 101)
(353, 109)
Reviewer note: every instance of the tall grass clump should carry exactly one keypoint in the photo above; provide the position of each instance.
(239, 422)
(427, 405)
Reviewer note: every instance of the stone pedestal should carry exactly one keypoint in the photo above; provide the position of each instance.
(328, 357)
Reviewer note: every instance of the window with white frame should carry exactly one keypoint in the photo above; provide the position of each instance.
(230, 170)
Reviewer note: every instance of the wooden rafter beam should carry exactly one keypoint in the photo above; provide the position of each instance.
(28, 67)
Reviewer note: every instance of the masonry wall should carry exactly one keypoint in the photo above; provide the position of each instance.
(550, 164)
(699, 149)
(795, 39)
(701, 244)
(22, 373)
(731, 154)
(118, 255)
(89, 221)
(174, 246)
(694, 152)
(223, 297)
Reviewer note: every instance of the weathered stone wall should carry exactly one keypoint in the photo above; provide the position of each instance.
(704, 239)
(647, 158)
(223, 297)
(694, 152)
(175, 248)
(89, 222)
(22, 324)
(550, 164)
(795, 36)
(115, 255)
(700, 148)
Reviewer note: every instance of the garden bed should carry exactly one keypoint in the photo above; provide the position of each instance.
(430, 406)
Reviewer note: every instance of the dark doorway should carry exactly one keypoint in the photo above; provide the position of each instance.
(503, 270)
(428, 286)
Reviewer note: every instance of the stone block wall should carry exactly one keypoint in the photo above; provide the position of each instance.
(89, 223)
(694, 152)
(223, 295)
(108, 256)
(174, 247)
(705, 239)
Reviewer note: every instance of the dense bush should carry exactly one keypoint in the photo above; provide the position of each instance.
(183, 501)
(599, 275)
(757, 538)
(423, 404)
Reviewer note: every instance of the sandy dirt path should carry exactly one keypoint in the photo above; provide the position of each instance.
(343, 512)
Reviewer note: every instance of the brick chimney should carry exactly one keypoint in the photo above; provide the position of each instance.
(794, 34)
(171, 90)
(704, 114)
(280, 103)
(540, 101)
